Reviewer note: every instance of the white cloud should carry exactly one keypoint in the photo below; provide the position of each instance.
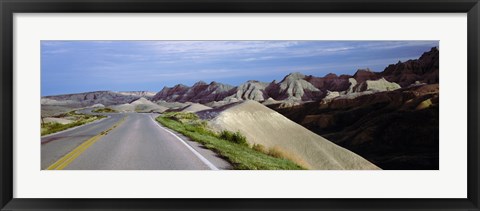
(395, 44)
(258, 58)
(56, 51)
(215, 49)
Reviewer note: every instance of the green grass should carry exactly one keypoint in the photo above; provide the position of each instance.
(78, 119)
(104, 110)
(236, 137)
(232, 146)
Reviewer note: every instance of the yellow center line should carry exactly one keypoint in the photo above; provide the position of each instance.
(71, 156)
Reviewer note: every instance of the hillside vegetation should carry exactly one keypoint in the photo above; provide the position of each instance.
(77, 120)
(104, 110)
(231, 145)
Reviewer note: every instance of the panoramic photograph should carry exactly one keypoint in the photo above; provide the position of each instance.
(239, 105)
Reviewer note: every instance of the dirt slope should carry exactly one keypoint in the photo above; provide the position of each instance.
(195, 107)
(262, 125)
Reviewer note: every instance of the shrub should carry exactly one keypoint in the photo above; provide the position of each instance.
(236, 137)
(278, 152)
(260, 148)
(191, 122)
(181, 116)
(199, 123)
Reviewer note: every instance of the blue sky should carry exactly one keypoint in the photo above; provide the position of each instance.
(82, 66)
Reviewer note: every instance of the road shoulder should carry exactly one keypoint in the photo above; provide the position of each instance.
(210, 155)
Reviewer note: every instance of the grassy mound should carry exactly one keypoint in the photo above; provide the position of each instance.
(231, 145)
(104, 110)
(78, 119)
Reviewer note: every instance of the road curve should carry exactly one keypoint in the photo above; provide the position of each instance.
(137, 143)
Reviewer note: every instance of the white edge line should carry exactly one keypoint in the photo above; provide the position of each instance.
(203, 159)
(73, 128)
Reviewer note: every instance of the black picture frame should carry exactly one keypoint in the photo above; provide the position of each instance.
(9, 7)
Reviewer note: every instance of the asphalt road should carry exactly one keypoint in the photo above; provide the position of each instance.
(135, 142)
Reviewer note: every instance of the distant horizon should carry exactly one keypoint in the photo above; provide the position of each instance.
(69, 67)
